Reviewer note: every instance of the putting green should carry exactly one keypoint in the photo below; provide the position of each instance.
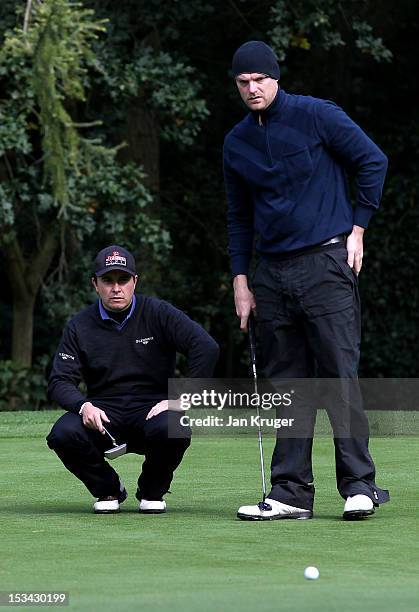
(198, 557)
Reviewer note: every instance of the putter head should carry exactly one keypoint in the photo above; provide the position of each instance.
(263, 506)
(115, 451)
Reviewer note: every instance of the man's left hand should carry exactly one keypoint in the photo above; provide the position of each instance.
(173, 404)
(160, 407)
(355, 248)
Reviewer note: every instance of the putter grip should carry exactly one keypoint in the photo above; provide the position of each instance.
(252, 338)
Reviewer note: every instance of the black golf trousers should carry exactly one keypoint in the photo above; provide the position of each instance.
(161, 439)
(308, 314)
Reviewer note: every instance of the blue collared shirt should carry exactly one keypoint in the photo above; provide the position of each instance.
(106, 317)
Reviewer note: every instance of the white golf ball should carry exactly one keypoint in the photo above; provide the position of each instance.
(311, 573)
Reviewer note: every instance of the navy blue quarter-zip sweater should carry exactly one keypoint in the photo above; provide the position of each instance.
(127, 368)
(285, 175)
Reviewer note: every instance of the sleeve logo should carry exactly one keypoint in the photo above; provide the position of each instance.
(64, 356)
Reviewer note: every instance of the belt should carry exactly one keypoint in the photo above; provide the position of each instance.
(316, 248)
(334, 240)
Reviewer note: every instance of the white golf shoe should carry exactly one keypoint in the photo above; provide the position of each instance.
(110, 503)
(358, 507)
(150, 506)
(272, 510)
(106, 505)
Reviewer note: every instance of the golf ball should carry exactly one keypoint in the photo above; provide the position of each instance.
(311, 573)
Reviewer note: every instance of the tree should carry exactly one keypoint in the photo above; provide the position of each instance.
(59, 186)
(158, 79)
(46, 164)
(39, 147)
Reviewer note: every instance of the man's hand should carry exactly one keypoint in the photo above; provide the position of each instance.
(355, 248)
(173, 404)
(160, 407)
(243, 299)
(93, 417)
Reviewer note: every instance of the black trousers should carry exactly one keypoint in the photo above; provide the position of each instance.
(308, 314)
(162, 440)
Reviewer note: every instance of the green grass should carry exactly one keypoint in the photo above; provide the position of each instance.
(198, 557)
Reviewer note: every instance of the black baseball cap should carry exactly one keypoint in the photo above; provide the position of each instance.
(114, 257)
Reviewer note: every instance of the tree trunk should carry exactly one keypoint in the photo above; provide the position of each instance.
(22, 330)
(142, 135)
(141, 132)
(25, 276)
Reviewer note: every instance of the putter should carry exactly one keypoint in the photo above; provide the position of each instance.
(117, 449)
(263, 505)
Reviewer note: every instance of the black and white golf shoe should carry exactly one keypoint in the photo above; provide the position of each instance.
(358, 507)
(110, 503)
(150, 506)
(272, 510)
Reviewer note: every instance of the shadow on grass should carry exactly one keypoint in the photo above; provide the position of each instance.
(185, 512)
(37, 509)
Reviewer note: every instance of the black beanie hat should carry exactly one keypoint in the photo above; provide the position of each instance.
(255, 56)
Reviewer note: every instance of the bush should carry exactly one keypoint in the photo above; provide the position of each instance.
(23, 388)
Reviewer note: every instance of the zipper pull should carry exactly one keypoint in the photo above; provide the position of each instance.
(260, 119)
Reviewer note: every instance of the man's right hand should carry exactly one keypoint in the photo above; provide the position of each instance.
(244, 300)
(92, 417)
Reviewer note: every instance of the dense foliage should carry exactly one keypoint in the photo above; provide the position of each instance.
(112, 118)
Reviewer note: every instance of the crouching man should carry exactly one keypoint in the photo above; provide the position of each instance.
(123, 348)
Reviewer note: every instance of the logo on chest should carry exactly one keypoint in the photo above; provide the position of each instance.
(144, 340)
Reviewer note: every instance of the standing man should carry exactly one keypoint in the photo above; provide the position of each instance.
(123, 348)
(285, 170)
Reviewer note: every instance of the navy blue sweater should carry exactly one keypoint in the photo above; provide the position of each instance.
(126, 369)
(285, 174)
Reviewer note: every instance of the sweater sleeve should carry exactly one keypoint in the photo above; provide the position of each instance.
(189, 339)
(66, 373)
(239, 219)
(360, 155)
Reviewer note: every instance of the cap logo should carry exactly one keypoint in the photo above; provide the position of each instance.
(115, 259)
